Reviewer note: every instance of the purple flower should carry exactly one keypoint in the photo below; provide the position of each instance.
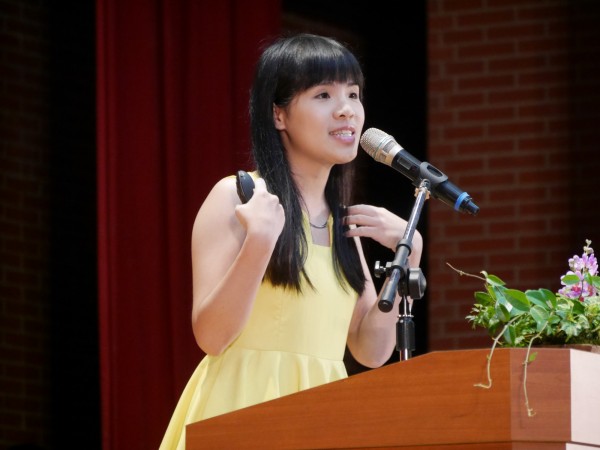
(580, 266)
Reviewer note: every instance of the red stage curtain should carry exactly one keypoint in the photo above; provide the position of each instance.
(172, 91)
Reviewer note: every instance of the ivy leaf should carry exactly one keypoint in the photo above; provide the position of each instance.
(484, 298)
(570, 279)
(570, 329)
(493, 280)
(497, 292)
(553, 320)
(578, 307)
(549, 296)
(502, 305)
(518, 300)
(509, 335)
(502, 313)
(542, 297)
(540, 315)
(493, 326)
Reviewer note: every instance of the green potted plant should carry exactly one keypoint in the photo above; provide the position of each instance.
(540, 317)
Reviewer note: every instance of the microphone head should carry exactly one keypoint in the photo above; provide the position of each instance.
(379, 145)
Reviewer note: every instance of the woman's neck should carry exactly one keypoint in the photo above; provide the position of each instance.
(312, 190)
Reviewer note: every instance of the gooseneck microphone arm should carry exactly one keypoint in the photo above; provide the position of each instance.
(403, 280)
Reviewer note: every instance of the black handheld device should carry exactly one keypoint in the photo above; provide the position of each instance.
(245, 185)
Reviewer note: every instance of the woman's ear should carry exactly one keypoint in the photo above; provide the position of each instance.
(278, 117)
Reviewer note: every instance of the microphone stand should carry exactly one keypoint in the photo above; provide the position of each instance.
(404, 280)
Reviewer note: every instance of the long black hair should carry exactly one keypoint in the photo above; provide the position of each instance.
(286, 68)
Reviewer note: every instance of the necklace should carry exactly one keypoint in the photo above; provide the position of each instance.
(319, 227)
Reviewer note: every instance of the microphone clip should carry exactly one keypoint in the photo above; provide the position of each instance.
(411, 283)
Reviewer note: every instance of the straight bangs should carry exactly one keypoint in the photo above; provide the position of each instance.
(317, 64)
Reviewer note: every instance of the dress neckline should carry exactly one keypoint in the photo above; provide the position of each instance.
(309, 231)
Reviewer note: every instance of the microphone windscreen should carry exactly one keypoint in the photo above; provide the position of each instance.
(381, 146)
(372, 140)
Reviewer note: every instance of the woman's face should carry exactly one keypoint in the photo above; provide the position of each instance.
(322, 124)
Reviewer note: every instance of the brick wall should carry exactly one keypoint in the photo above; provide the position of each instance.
(513, 101)
(24, 224)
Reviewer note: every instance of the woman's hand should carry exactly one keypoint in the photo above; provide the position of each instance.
(382, 226)
(376, 223)
(263, 215)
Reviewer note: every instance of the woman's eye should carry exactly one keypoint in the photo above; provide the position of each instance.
(354, 95)
(323, 95)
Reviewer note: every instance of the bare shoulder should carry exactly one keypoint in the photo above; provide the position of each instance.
(217, 213)
(224, 190)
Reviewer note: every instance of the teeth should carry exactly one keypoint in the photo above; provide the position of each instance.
(342, 133)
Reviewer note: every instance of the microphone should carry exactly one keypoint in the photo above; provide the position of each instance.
(383, 148)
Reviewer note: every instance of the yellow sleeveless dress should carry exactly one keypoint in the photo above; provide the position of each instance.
(291, 342)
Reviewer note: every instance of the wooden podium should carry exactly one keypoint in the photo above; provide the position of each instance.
(429, 402)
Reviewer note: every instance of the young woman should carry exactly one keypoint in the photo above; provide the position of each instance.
(281, 285)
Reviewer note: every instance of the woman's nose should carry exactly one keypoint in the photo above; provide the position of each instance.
(345, 109)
